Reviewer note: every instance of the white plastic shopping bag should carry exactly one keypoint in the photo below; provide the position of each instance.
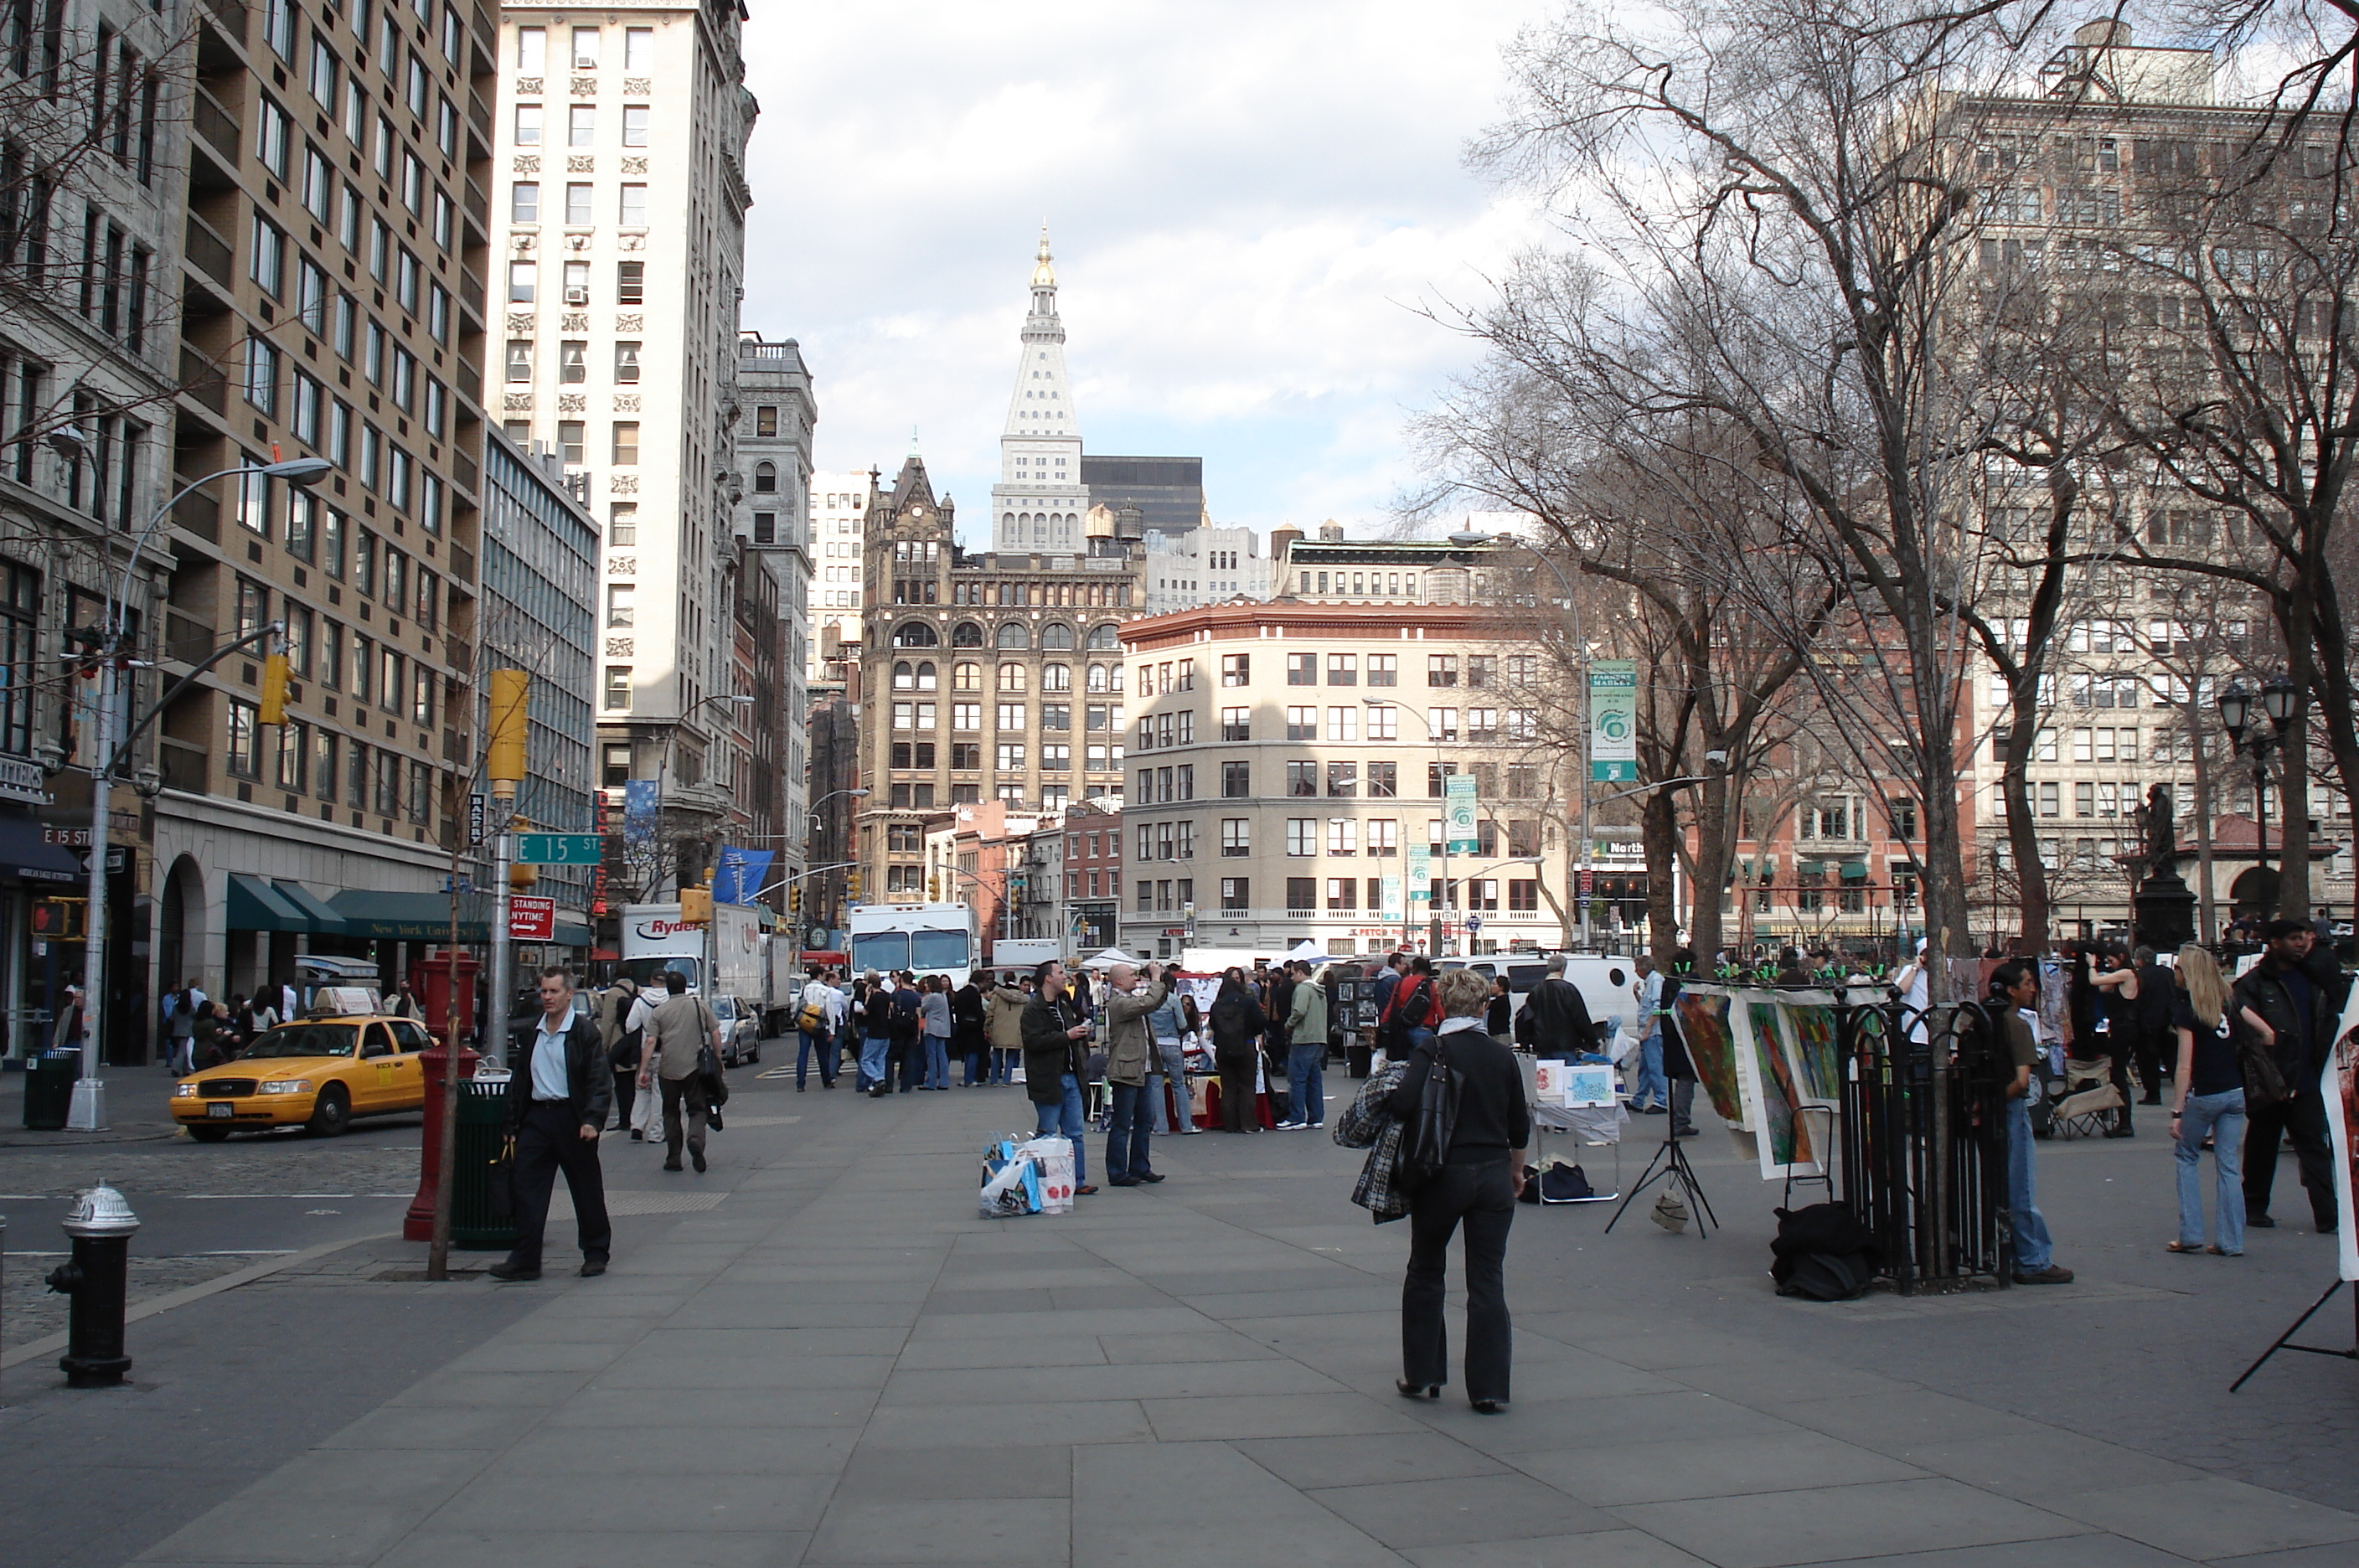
(1055, 1159)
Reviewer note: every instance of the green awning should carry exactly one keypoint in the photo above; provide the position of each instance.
(1854, 870)
(323, 921)
(408, 917)
(257, 905)
(1809, 867)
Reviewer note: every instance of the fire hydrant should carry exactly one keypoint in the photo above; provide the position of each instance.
(102, 1225)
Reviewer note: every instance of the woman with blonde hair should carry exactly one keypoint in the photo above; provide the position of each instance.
(2210, 1091)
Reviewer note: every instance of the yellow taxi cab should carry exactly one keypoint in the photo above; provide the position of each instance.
(318, 1074)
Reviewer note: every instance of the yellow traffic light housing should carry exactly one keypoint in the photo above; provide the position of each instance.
(503, 755)
(696, 906)
(852, 885)
(794, 900)
(277, 675)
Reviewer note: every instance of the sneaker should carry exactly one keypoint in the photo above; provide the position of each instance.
(1683, 1132)
(1290, 1126)
(1656, 1111)
(592, 1267)
(1315, 1126)
(509, 1271)
(2054, 1274)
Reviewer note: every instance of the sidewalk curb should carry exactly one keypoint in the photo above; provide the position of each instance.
(183, 1297)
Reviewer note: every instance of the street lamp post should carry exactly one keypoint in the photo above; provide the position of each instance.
(2236, 717)
(87, 1112)
(819, 825)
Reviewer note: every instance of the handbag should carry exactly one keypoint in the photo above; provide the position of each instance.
(1425, 1138)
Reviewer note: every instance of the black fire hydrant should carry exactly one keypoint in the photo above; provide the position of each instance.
(102, 1225)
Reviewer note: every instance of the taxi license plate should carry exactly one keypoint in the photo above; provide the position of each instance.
(222, 1111)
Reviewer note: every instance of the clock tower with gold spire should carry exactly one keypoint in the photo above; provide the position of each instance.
(1040, 502)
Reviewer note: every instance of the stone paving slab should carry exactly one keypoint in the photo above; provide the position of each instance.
(840, 1363)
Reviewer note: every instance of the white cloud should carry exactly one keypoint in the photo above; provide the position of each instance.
(1247, 201)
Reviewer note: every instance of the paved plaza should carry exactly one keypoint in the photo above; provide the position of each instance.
(817, 1355)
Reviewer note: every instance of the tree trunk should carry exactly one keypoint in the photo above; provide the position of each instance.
(2022, 829)
(2206, 812)
(1659, 826)
(2293, 793)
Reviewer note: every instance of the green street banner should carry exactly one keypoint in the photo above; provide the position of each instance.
(1420, 874)
(1614, 721)
(1458, 800)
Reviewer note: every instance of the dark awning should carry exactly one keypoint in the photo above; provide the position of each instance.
(320, 919)
(257, 905)
(24, 855)
(1854, 870)
(408, 917)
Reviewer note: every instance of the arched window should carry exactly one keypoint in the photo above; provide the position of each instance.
(966, 634)
(926, 675)
(915, 634)
(1011, 678)
(903, 677)
(1015, 634)
(1105, 638)
(1114, 678)
(1098, 681)
(966, 677)
(1055, 635)
(1056, 678)
(765, 478)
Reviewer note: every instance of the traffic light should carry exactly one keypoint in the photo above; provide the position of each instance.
(934, 887)
(696, 906)
(58, 919)
(794, 899)
(504, 752)
(852, 885)
(276, 675)
(521, 875)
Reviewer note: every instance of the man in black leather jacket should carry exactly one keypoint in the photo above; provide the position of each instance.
(1555, 1018)
(559, 1092)
(2290, 1006)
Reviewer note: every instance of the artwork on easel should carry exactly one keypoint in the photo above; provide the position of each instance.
(2340, 1084)
(1706, 1030)
(1784, 1141)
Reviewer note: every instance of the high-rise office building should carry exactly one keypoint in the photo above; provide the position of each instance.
(1167, 491)
(776, 415)
(619, 205)
(1040, 501)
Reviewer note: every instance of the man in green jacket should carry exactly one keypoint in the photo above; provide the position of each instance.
(1306, 1052)
(1130, 1057)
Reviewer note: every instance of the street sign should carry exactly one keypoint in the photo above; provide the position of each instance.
(1614, 721)
(1458, 801)
(532, 920)
(477, 812)
(1473, 922)
(559, 849)
(73, 838)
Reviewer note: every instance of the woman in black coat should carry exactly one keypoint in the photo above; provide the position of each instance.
(1479, 1180)
(1238, 1024)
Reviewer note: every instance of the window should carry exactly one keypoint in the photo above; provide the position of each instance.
(1384, 836)
(1384, 669)
(241, 760)
(573, 360)
(1236, 892)
(585, 48)
(1441, 724)
(1301, 836)
(1384, 780)
(1342, 669)
(1237, 669)
(1342, 778)
(1343, 835)
(631, 212)
(634, 125)
(766, 479)
(1302, 892)
(630, 282)
(1343, 724)
(1011, 756)
(524, 201)
(626, 362)
(1302, 669)
(1011, 678)
(1441, 669)
(1435, 774)
(626, 443)
(527, 124)
(522, 278)
(268, 263)
(1384, 722)
(1010, 716)
(1342, 894)
(579, 195)
(1237, 836)
(582, 125)
(621, 605)
(1302, 779)
(1482, 670)
(1236, 724)
(262, 374)
(618, 688)
(1302, 723)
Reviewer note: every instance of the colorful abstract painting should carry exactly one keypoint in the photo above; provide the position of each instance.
(1712, 1049)
(1784, 1142)
(1817, 1061)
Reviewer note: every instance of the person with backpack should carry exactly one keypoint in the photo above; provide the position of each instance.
(2287, 1008)
(2208, 1101)
(622, 1045)
(817, 1012)
(1462, 1162)
(1408, 1018)
(2014, 988)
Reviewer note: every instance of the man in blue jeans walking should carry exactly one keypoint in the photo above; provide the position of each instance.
(1652, 1092)
(1056, 1045)
(2015, 986)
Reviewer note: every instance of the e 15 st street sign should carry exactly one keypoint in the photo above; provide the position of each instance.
(559, 849)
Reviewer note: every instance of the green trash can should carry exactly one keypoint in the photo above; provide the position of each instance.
(49, 1089)
(482, 1129)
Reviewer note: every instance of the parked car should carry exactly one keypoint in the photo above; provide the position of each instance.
(741, 1029)
(318, 1074)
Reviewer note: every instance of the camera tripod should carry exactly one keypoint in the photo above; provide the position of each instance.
(1670, 1165)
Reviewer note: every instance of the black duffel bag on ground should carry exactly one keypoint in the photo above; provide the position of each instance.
(1822, 1253)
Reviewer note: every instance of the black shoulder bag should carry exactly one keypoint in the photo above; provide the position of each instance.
(1425, 1141)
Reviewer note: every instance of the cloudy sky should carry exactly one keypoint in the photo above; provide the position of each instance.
(1248, 202)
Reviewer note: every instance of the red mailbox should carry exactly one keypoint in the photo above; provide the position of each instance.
(430, 981)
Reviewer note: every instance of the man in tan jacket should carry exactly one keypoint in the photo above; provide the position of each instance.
(1130, 1056)
(1003, 1026)
(676, 1037)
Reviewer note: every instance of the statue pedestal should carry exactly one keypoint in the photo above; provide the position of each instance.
(2163, 911)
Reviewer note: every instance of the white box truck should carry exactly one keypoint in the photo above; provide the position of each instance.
(655, 941)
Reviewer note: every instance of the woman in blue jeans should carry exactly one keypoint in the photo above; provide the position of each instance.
(2210, 1087)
